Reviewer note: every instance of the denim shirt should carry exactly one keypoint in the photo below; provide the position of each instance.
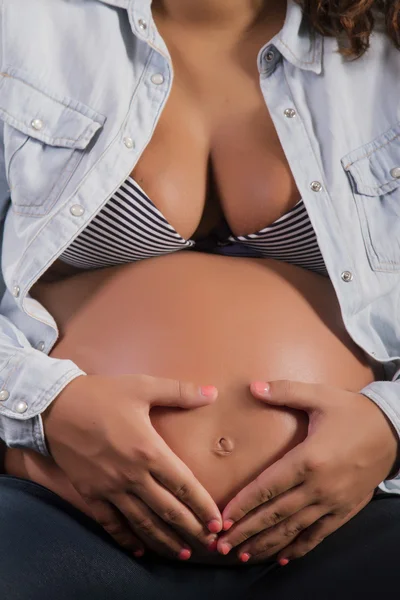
(82, 86)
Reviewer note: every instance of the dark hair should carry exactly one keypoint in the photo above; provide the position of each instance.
(353, 21)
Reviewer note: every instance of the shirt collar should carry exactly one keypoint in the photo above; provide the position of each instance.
(298, 41)
(139, 13)
(119, 3)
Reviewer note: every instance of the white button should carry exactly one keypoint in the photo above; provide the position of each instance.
(290, 113)
(4, 395)
(316, 186)
(395, 172)
(77, 210)
(157, 78)
(142, 24)
(21, 407)
(15, 291)
(270, 55)
(37, 124)
(347, 276)
(41, 346)
(129, 143)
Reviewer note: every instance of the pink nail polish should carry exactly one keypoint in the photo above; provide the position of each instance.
(208, 391)
(283, 562)
(262, 388)
(245, 557)
(214, 526)
(225, 548)
(185, 554)
(138, 553)
(227, 524)
(213, 546)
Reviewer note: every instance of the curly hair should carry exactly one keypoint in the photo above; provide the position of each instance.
(352, 21)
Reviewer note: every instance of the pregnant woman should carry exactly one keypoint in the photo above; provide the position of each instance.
(200, 325)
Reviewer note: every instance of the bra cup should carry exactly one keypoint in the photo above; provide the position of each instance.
(130, 228)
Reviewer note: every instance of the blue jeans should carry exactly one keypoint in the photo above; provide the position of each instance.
(51, 551)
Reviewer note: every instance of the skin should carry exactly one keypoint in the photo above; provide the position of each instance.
(282, 321)
(222, 148)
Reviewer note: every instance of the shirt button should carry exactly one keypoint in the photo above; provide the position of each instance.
(290, 113)
(21, 407)
(270, 55)
(142, 24)
(41, 346)
(157, 79)
(316, 186)
(347, 276)
(15, 291)
(77, 210)
(395, 172)
(129, 143)
(37, 124)
(4, 395)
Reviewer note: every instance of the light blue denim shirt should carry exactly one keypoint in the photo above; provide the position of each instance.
(82, 86)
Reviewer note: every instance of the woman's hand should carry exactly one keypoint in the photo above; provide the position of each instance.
(321, 483)
(100, 434)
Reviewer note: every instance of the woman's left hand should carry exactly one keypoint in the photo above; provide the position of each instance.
(321, 483)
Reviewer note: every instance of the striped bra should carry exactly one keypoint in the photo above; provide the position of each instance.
(130, 228)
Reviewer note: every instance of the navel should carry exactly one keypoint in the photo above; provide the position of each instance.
(223, 446)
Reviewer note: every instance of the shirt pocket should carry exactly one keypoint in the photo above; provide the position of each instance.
(374, 173)
(45, 138)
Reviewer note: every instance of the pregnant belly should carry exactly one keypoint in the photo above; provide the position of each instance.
(211, 320)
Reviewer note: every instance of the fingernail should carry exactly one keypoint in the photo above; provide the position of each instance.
(262, 388)
(225, 548)
(185, 554)
(283, 562)
(228, 524)
(214, 526)
(245, 557)
(138, 553)
(208, 391)
(213, 546)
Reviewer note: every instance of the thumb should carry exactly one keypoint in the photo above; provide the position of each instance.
(172, 392)
(303, 396)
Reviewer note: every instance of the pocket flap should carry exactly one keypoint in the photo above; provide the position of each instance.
(374, 169)
(59, 121)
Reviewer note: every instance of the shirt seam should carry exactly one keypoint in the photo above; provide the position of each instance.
(46, 138)
(303, 62)
(368, 154)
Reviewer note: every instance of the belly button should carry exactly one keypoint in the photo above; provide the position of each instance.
(223, 446)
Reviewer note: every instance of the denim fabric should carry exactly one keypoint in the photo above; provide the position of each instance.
(50, 550)
(78, 105)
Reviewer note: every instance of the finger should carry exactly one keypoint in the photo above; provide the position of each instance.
(150, 529)
(280, 477)
(174, 513)
(311, 538)
(266, 516)
(176, 477)
(116, 526)
(268, 543)
(172, 392)
(294, 394)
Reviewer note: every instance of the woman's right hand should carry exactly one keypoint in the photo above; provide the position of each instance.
(99, 433)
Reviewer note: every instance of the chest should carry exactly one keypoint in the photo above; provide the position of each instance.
(215, 151)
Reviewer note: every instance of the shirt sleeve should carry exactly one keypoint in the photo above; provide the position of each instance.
(386, 394)
(29, 379)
